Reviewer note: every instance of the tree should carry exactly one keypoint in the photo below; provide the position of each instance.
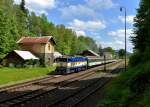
(88, 43)
(142, 22)
(22, 6)
(100, 50)
(141, 40)
(35, 24)
(22, 19)
(8, 29)
(44, 25)
(109, 49)
(121, 53)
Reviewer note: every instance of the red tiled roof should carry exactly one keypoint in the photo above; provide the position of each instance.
(31, 40)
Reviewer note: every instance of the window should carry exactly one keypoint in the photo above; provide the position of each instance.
(49, 47)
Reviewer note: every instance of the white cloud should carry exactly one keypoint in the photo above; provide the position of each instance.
(100, 4)
(96, 35)
(118, 39)
(77, 11)
(130, 19)
(119, 42)
(87, 25)
(38, 6)
(80, 33)
(88, 9)
(120, 33)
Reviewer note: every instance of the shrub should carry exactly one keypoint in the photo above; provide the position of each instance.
(1, 66)
(135, 59)
(146, 55)
(140, 82)
(31, 63)
(42, 63)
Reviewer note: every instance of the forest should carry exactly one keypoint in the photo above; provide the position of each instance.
(16, 21)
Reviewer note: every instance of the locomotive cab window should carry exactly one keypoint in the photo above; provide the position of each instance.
(61, 60)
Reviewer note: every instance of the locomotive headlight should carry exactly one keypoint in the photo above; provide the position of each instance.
(69, 65)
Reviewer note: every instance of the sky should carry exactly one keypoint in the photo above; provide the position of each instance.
(101, 20)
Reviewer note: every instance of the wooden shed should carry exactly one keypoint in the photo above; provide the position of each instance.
(89, 53)
(18, 58)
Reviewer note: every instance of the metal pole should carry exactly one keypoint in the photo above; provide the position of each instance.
(104, 62)
(125, 40)
(121, 9)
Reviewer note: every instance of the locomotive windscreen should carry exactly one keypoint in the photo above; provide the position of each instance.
(61, 60)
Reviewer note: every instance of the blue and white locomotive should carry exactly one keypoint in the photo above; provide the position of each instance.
(71, 64)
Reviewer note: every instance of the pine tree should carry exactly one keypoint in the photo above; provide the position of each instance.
(35, 24)
(22, 6)
(22, 19)
(121, 53)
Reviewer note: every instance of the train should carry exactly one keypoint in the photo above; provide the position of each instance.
(71, 64)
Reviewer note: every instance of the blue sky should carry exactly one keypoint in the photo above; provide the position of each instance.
(99, 19)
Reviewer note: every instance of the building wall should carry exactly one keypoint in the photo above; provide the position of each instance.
(108, 55)
(34, 48)
(49, 53)
(43, 51)
(49, 48)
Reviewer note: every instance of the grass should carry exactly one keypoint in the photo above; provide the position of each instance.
(13, 75)
(130, 89)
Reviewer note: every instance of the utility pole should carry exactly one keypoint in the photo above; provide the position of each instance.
(104, 63)
(125, 15)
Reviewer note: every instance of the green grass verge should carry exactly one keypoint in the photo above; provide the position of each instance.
(12, 75)
(130, 89)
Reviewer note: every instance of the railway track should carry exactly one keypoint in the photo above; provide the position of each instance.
(24, 84)
(50, 87)
(22, 99)
(4, 93)
(72, 98)
(76, 98)
(69, 95)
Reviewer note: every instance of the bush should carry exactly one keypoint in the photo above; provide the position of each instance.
(140, 82)
(135, 59)
(1, 66)
(42, 63)
(31, 63)
(146, 55)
